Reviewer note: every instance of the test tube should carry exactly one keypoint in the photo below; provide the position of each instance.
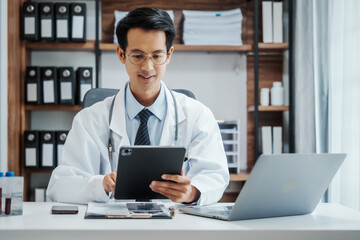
(1, 188)
(8, 192)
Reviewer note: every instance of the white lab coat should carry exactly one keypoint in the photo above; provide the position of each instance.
(85, 161)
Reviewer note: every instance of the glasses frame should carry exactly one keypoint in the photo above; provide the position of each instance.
(147, 55)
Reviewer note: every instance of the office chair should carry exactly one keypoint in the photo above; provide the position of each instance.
(98, 94)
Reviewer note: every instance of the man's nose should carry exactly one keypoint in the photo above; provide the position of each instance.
(147, 64)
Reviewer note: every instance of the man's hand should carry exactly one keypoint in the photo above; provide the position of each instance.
(109, 182)
(179, 190)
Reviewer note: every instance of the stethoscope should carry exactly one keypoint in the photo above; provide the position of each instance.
(111, 142)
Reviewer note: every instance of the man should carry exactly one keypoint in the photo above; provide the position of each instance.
(145, 39)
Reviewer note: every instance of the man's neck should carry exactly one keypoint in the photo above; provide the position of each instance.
(146, 98)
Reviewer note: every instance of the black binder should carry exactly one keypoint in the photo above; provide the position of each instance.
(67, 85)
(84, 82)
(31, 21)
(47, 26)
(49, 85)
(60, 141)
(31, 151)
(48, 151)
(78, 22)
(32, 86)
(62, 21)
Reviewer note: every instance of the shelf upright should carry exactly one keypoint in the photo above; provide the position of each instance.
(256, 79)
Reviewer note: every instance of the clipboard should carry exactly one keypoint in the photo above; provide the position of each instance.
(121, 210)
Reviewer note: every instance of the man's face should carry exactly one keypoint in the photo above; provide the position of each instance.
(146, 77)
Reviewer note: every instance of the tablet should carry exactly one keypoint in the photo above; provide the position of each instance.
(138, 166)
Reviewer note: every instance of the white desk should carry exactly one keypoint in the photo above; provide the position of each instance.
(327, 222)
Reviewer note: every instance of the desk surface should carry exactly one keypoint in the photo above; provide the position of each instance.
(329, 221)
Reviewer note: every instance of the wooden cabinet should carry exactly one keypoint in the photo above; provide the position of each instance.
(270, 67)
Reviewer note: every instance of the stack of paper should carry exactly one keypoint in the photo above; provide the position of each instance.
(120, 15)
(212, 27)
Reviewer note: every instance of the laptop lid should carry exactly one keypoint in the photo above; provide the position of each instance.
(285, 184)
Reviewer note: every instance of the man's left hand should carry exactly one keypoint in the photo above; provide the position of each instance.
(179, 190)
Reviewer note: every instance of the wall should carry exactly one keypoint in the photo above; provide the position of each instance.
(3, 85)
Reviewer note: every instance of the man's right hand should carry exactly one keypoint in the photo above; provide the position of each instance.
(109, 182)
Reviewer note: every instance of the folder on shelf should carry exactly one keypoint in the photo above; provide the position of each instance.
(31, 145)
(66, 78)
(47, 21)
(278, 22)
(78, 22)
(49, 85)
(267, 24)
(47, 143)
(62, 20)
(277, 140)
(266, 140)
(84, 82)
(31, 21)
(32, 86)
(60, 141)
(40, 195)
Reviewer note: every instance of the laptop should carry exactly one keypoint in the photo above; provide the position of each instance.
(279, 185)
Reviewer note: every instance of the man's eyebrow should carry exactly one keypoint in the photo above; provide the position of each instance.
(156, 51)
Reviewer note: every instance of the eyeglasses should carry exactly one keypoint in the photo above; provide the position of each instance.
(138, 57)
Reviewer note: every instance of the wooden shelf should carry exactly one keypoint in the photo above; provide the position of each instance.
(38, 170)
(239, 177)
(263, 47)
(53, 107)
(269, 108)
(271, 47)
(61, 46)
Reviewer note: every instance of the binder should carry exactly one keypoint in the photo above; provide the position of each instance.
(67, 85)
(47, 143)
(278, 22)
(31, 147)
(32, 86)
(60, 141)
(49, 85)
(266, 140)
(62, 21)
(267, 24)
(31, 21)
(47, 31)
(78, 20)
(84, 82)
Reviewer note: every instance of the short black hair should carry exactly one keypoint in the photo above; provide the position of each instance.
(146, 19)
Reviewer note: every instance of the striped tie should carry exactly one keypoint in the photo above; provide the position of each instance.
(142, 135)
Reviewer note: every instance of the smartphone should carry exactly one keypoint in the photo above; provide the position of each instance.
(64, 209)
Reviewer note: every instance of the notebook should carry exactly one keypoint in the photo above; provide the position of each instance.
(279, 185)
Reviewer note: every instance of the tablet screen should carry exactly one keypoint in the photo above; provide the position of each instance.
(138, 166)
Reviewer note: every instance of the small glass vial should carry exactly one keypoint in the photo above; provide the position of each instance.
(8, 192)
(1, 189)
(277, 94)
(265, 97)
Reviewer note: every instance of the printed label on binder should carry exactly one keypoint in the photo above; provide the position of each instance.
(66, 90)
(31, 92)
(47, 155)
(29, 27)
(77, 27)
(30, 156)
(49, 91)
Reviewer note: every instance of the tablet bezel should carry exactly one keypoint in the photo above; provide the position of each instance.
(139, 165)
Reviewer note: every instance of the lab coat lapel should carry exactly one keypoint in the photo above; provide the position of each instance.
(118, 121)
(168, 132)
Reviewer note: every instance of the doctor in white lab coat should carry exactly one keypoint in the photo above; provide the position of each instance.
(86, 173)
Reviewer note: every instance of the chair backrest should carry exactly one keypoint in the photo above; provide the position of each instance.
(98, 94)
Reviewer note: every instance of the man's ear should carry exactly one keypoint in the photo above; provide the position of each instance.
(170, 52)
(121, 54)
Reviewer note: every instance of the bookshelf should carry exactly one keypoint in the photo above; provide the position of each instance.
(264, 65)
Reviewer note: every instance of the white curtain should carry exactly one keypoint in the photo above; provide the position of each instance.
(344, 99)
(327, 89)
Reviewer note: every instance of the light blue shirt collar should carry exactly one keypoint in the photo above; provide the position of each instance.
(133, 107)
